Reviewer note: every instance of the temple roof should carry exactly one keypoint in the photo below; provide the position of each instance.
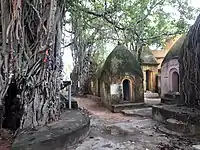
(147, 57)
(121, 61)
(175, 50)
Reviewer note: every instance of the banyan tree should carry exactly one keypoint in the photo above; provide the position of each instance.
(30, 61)
(190, 66)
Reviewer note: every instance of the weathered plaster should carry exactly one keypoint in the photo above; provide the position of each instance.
(132, 88)
(152, 80)
(166, 72)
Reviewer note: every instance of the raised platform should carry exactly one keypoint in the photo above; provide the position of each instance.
(178, 118)
(151, 95)
(70, 129)
(170, 99)
(151, 98)
(142, 112)
(119, 107)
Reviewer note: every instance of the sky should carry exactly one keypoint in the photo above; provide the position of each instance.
(195, 3)
(67, 57)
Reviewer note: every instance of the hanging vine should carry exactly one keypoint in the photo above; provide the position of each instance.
(190, 66)
(31, 58)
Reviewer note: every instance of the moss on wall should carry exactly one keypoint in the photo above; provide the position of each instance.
(175, 50)
(147, 57)
(120, 63)
(139, 90)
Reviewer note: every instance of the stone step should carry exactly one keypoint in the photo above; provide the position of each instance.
(151, 95)
(72, 127)
(196, 147)
(172, 95)
(177, 125)
(119, 107)
(168, 100)
(141, 112)
(169, 132)
(182, 127)
(152, 101)
(178, 118)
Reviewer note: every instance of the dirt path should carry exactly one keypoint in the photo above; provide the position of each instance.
(113, 131)
(5, 140)
(5, 145)
(95, 108)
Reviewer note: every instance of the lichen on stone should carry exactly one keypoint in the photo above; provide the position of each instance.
(119, 64)
(147, 57)
(121, 61)
(175, 50)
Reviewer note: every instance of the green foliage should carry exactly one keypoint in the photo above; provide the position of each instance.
(133, 22)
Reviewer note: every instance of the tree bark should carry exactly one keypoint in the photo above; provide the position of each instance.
(31, 32)
(190, 67)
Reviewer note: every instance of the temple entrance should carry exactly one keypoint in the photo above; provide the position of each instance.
(175, 82)
(99, 92)
(148, 80)
(156, 88)
(126, 90)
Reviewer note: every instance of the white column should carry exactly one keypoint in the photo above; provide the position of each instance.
(69, 96)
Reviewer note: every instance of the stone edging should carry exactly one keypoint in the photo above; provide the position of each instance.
(56, 136)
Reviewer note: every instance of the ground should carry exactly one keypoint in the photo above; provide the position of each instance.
(5, 139)
(114, 131)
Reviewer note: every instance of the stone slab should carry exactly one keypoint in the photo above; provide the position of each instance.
(142, 112)
(168, 100)
(196, 147)
(188, 116)
(169, 132)
(152, 101)
(151, 95)
(70, 129)
(119, 107)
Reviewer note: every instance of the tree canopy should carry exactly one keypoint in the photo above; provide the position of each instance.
(135, 23)
(132, 21)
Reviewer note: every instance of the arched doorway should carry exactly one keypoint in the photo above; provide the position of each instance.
(148, 79)
(126, 90)
(175, 82)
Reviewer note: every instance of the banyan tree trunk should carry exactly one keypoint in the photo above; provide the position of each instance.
(190, 66)
(30, 61)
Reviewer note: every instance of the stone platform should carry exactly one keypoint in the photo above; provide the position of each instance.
(69, 130)
(180, 119)
(170, 98)
(152, 98)
(151, 95)
(141, 112)
(119, 107)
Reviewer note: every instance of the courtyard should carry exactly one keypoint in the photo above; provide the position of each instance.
(115, 131)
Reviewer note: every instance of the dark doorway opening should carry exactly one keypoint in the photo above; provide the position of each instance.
(156, 88)
(148, 79)
(99, 92)
(126, 90)
(175, 82)
(13, 109)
